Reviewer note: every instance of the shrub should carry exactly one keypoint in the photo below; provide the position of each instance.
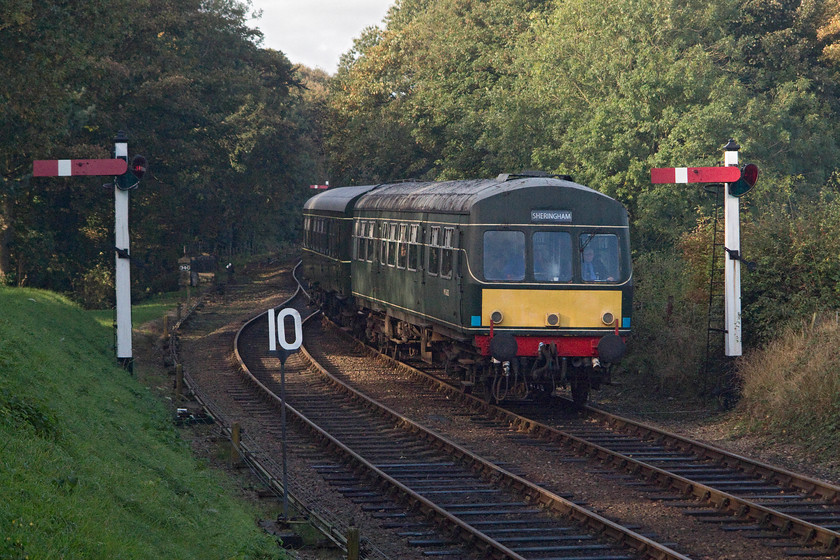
(792, 386)
(667, 348)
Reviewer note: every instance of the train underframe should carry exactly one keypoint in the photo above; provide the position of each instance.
(534, 377)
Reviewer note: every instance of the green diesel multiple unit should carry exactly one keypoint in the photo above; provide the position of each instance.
(520, 283)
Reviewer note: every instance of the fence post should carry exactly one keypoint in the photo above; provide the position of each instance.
(235, 439)
(353, 543)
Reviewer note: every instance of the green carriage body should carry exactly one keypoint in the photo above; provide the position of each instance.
(415, 252)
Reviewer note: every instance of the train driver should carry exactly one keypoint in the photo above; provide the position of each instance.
(591, 267)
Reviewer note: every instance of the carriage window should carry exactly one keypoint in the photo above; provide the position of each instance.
(383, 243)
(370, 237)
(402, 248)
(434, 250)
(413, 247)
(552, 256)
(361, 242)
(504, 255)
(332, 238)
(392, 244)
(599, 258)
(447, 253)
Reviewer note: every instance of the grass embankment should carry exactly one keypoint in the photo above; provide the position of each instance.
(791, 388)
(91, 465)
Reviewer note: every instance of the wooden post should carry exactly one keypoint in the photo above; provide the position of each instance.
(235, 439)
(165, 327)
(179, 382)
(353, 543)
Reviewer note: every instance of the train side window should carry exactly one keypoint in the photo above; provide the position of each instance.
(434, 251)
(392, 244)
(331, 238)
(361, 242)
(599, 257)
(552, 256)
(504, 255)
(383, 243)
(413, 248)
(402, 249)
(370, 236)
(447, 253)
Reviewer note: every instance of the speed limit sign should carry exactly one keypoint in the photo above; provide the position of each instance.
(277, 331)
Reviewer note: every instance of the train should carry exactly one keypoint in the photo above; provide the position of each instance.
(520, 285)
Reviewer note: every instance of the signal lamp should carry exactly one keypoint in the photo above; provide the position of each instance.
(749, 176)
(138, 167)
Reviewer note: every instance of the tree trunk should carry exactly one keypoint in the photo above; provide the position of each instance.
(7, 208)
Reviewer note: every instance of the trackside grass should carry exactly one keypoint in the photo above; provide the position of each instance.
(90, 463)
(791, 387)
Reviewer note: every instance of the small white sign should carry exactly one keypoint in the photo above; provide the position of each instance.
(277, 330)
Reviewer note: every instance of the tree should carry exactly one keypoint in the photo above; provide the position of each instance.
(196, 94)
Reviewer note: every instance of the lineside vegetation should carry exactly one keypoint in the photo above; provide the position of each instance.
(91, 465)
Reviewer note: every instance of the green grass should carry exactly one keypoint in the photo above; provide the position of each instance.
(149, 309)
(90, 463)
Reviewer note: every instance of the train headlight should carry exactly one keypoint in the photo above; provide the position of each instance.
(497, 317)
(552, 320)
(608, 319)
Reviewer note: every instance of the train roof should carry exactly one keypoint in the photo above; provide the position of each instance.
(458, 197)
(519, 195)
(336, 200)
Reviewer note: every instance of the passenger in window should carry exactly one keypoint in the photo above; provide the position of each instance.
(592, 268)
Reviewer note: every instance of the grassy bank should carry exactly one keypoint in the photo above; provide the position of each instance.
(791, 387)
(90, 463)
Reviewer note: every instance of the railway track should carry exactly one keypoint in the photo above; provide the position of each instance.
(707, 482)
(438, 494)
(684, 476)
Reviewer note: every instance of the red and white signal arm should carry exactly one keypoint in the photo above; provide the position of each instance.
(728, 174)
(76, 167)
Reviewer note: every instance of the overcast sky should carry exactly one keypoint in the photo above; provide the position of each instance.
(316, 33)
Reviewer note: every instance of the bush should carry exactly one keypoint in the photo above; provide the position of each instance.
(792, 386)
(667, 348)
(95, 288)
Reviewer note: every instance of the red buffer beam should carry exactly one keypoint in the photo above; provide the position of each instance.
(74, 167)
(728, 174)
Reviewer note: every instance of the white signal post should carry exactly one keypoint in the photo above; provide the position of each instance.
(117, 168)
(123, 269)
(731, 175)
(732, 267)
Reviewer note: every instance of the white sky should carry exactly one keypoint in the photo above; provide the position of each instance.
(316, 33)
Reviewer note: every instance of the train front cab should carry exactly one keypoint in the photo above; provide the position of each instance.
(552, 299)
